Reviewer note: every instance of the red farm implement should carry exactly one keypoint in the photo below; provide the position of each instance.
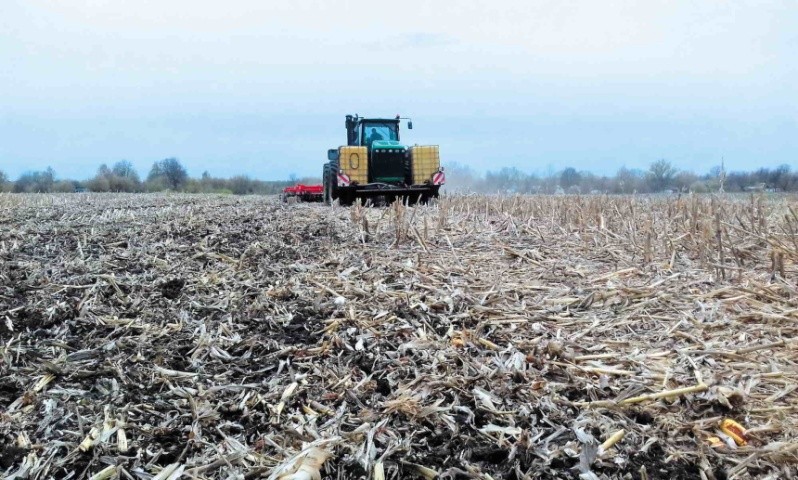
(304, 193)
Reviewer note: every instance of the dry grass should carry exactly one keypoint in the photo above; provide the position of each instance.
(158, 336)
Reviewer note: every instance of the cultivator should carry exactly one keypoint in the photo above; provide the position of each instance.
(303, 193)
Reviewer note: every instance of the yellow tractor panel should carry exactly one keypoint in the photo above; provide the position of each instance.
(354, 161)
(426, 161)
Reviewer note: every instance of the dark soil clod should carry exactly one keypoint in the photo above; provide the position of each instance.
(172, 288)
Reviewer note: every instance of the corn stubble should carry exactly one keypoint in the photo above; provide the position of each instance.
(517, 337)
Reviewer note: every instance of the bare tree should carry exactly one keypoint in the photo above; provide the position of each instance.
(628, 180)
(781, 178)
(36, 182)
(5, 184)
(124, 169)
(170, 172)
(684, 181)
(570, 178)
(660, 174)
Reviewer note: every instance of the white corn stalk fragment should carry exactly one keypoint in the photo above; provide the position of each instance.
(220, 354)
(701, 387)
(611, 441)
(88, 442)
(486, 398)
(491, 428)
(46, 379)
(109, 426)
(121, 436)
(425, 472)
(177, 473)
(305, 467)
(285, 396)
(28, 463)
(168, 372)
(23, 441)
(321, 408)
(379, 471)
(105, 473)
(488, 344)
(170, 472)
(121, 441)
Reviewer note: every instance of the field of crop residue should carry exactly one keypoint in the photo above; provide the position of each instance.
(216, 337)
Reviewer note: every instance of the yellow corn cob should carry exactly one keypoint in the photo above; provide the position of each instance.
(734, 430)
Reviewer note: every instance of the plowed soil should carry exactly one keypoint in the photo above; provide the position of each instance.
(479, 337)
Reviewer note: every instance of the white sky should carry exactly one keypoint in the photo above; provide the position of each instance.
(261, 87)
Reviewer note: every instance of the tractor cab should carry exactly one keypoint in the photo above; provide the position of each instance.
(364, 132)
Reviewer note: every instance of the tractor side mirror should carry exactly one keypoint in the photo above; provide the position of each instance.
(332, 154)
(410, 125)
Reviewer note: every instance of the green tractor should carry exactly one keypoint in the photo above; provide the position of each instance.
(375, 165)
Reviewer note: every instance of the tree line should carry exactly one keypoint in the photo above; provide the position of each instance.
(170, 175)
(661, 176)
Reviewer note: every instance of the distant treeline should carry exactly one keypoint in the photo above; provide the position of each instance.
(165, 175)
(170, 175)
(661, 176)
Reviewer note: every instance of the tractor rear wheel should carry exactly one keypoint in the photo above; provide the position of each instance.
(327, 184)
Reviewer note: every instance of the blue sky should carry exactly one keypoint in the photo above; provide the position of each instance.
(261, 88)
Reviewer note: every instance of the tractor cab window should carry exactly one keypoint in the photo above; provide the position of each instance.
(379, 131)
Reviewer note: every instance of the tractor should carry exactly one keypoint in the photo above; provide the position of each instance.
(374, 165)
